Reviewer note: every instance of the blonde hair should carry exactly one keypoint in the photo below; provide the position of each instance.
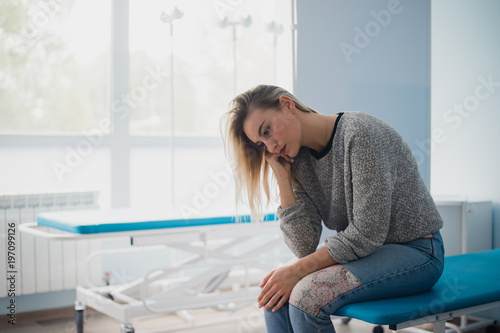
(248, 159)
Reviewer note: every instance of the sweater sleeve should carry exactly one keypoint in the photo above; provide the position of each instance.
(300, 224)
(371, 183)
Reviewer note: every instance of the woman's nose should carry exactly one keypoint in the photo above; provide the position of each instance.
(271, 145)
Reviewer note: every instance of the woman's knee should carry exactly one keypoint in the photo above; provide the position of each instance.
(279, 320)
(317, 289)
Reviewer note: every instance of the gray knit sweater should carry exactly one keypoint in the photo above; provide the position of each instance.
(365, 185)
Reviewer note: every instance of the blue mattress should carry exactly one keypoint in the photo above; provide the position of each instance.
(116, 220)
(467, 280)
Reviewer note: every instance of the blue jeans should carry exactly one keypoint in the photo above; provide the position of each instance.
(393, 270)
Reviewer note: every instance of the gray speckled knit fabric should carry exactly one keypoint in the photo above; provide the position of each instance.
(367, 187)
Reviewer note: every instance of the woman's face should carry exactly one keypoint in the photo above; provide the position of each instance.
(278, 130)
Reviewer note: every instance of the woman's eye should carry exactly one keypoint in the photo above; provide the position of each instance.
(266, 132)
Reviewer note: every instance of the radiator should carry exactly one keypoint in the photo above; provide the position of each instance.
(43, 265)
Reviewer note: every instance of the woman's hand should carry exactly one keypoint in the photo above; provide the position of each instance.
(281, 165)
(277, 287)
(282, 170)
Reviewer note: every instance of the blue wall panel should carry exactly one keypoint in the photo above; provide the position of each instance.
(371, 56)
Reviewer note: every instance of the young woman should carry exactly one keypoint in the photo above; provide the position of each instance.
(356, 174)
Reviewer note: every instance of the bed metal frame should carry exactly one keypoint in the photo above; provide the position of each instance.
(219, 276)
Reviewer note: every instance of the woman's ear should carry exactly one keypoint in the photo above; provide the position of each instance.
(287, 103)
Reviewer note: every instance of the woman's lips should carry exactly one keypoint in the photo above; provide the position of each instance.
(283, 150)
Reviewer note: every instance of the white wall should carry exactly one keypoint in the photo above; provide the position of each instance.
(465, 159)
(372, 56)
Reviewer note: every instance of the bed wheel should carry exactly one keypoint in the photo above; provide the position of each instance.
(378, 329)
(492, 329)
(346, 320)
(126, 328)
(79, 316)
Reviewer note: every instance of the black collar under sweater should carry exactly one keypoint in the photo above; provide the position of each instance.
(328, 147)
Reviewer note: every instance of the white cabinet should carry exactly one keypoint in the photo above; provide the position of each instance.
(468, 225)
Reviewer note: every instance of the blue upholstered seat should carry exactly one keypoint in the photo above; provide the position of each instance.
(467, 280)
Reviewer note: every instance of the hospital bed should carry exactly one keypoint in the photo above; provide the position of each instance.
(225, 260)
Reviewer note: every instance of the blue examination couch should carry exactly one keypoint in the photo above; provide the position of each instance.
(470, 283)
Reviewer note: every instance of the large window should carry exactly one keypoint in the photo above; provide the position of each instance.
(128, 84)
(54, 65)
(202, 53)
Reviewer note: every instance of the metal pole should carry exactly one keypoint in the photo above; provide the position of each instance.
(169, 18)
(235, 74)
(172, 115)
